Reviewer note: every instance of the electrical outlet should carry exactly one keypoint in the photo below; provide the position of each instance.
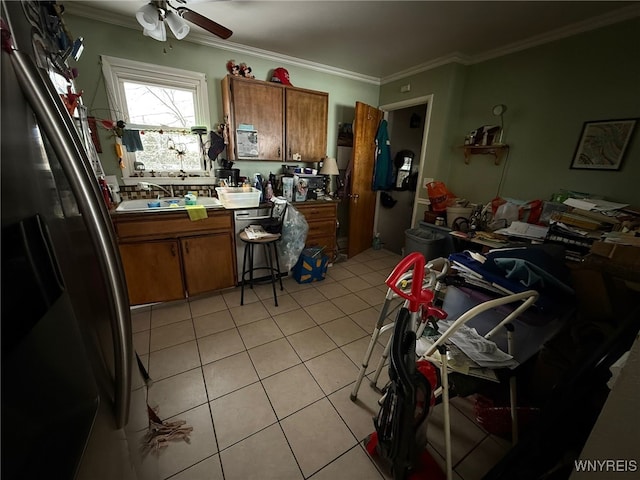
(427, 181)
(405, 88)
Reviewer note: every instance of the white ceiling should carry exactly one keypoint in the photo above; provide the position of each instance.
(379, 40)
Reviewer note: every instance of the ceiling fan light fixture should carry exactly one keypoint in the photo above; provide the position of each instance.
(159, 33)
(178, 26)
(148, 16)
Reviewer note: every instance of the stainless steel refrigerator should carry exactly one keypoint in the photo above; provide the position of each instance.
(68, 366)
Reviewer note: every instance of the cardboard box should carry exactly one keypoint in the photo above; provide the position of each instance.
(622, 261)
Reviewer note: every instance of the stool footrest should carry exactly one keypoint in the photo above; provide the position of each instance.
(274, 270)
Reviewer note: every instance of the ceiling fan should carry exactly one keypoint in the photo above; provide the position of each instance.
(153, 16)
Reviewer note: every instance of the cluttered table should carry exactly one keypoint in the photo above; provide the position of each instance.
(573, 223)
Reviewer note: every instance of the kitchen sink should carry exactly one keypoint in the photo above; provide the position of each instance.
(164, 204)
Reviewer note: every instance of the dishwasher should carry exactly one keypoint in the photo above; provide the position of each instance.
(242, 219)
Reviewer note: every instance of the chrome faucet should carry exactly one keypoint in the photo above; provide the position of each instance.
(147, 186)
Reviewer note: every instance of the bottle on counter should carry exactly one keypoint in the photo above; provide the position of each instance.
(257, 179)
(268, 193)
(377, 242)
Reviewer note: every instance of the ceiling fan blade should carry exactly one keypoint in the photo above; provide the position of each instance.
(204, 22)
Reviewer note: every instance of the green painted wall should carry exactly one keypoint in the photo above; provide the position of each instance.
(104, 39)
(446, 83)
(550, 91)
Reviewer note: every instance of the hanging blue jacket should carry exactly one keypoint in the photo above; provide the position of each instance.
(383, 168)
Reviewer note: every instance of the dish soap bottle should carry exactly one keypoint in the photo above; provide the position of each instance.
(268, 193)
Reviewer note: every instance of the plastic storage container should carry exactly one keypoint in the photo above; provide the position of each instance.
(454, 213)
(238, 197)
(430, 244)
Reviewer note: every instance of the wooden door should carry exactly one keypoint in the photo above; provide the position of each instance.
(306, 124)
(152, 270)
(208, 262)
(260, 104)
(362, 199)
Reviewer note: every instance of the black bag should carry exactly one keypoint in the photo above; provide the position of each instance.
(271, 225)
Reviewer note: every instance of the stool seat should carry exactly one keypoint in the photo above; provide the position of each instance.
(268, 242)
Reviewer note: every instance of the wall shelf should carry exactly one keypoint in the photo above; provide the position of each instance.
(496, 150)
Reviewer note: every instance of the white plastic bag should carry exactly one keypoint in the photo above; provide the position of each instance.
(294, 236)
(507, 212)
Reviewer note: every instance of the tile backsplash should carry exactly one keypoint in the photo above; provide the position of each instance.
(131, 192)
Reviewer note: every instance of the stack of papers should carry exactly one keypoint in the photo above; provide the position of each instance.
(470, 352)
(256, 231)
(524, 230)
(482, 351)
(594, 204)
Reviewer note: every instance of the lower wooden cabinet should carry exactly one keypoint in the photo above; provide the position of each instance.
(322, 220)
(153, 271)
(168, 257)
(208, 264)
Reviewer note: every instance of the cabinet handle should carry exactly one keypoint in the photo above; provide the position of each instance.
(290, 153)
(279, 152)
(186, 246)
(173, 249)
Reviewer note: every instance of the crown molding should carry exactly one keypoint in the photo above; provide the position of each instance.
(209, 41)
(203, 39)
(423, 67)
(622, 14)
(85, 11)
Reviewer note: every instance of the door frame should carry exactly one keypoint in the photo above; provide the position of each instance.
(428, 99)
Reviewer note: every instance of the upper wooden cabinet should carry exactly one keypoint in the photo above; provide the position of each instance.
(261, 104)
(306, 124)
(288, 120)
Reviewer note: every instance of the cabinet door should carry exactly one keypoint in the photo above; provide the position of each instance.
(322, 226)
(152, 270)
(306, 124)
(259, 104)
(208, 262)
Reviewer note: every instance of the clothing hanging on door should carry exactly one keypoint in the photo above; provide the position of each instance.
(383, 168)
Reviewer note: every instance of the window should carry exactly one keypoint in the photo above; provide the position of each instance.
(163, 104)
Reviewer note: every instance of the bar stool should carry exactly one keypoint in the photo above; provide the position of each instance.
(269, 244)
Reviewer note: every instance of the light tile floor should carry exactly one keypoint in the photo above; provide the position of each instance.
(267, 388)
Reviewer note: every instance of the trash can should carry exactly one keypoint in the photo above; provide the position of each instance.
(430, 244)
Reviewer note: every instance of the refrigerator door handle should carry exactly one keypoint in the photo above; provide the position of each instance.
(63, 136)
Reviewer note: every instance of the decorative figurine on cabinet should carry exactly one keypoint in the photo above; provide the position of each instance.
(233, 69)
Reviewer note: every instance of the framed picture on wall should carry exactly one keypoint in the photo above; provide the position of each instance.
(602, 144)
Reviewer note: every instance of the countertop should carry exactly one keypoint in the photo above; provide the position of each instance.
(211, 209)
